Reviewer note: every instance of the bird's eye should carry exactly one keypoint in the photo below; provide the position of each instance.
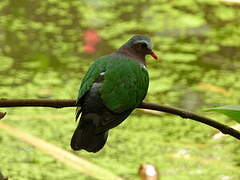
(143, 45)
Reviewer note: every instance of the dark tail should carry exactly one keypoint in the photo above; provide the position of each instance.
(85, 137)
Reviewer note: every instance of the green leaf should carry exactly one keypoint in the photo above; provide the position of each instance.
(232, 112)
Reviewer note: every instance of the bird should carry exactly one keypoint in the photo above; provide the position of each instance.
(113, 86)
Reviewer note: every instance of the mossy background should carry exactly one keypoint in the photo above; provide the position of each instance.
(42, 55)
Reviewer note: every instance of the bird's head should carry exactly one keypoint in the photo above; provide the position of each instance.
(141, 45)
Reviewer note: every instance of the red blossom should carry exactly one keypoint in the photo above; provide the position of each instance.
(91, 39)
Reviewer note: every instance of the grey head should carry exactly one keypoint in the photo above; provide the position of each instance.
(140, 45)
(139, 40)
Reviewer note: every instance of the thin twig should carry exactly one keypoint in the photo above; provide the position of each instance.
(60, 103)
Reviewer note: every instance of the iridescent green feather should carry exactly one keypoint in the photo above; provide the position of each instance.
(93, 72)
(125, 82)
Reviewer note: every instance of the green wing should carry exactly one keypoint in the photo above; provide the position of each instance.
(125, 84)
(92, 74)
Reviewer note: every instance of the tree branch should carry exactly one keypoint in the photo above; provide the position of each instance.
(190, 115)
(54, 103)
(60, 103)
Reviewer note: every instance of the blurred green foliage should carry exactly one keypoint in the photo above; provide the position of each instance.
(42, 56)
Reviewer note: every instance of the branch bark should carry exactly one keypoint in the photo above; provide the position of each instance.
(61, 103)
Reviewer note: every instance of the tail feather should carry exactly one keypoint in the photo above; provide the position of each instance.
(85, 137)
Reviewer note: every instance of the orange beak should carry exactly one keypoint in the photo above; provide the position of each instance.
(154, 55)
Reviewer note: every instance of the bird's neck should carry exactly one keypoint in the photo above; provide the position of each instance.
(129, 52)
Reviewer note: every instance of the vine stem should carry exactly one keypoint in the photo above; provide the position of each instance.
(61, 103)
